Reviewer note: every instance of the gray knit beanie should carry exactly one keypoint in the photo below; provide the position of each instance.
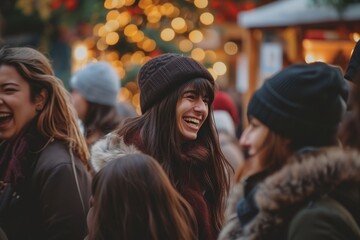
(304, 102)
(163, 74)
(98, 82)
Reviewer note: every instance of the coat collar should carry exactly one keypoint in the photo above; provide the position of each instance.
(108, 148)
(297, 183)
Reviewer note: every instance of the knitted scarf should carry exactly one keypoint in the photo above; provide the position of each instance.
(15, 153)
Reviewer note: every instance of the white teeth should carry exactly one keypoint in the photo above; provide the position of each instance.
(4, 115)
(192, 120)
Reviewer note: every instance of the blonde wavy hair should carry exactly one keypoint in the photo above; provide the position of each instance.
(58, 118)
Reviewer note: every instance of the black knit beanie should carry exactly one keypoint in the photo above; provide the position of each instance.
(163, 74)
(304, 102)
(354, 64)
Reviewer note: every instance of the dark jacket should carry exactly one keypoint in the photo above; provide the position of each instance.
(47, 205)
(317, 198)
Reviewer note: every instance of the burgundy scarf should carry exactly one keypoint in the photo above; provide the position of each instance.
(16, 153)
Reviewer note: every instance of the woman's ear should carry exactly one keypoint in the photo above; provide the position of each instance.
(40, 99)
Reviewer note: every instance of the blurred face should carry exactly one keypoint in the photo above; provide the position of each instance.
(16, 107)
(80, 104)
(252, 141)
(191, 112)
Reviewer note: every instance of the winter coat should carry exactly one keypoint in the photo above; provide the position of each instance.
(113, 146)
(48, 205)
(318, 198)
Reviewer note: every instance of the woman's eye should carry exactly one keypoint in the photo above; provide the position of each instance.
(9, 90)
(190, 96)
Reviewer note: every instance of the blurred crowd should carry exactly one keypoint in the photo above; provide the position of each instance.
(80, 164)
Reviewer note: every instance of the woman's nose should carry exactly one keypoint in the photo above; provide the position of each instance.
(243, 141)
(200, 106)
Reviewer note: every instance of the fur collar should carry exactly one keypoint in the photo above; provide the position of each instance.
(285, 192)
(110, 147)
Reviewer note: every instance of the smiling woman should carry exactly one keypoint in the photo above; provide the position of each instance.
(16, 111)
(43, 176)
(177, 129)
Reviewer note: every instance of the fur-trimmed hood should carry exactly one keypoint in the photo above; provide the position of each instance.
(287, 190)
(108, 148)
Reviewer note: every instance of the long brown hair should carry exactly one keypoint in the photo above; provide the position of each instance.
(58, 118)
(100, 118)
(134, 199)
(159, 133)
(349, 130)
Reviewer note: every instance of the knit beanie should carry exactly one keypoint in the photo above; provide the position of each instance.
(164, 73)
(304, 102)
(354, 64)
(224, 122)
(222, 101)
(98, 82)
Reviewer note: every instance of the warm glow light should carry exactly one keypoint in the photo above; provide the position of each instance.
(124, 94)
(136, 99)
(210, 55)
(111, 15)
(167, 34)
(112, 25)
(102, 31)
(175, 13)
(356, 36)
(80, 52)
(139, 36)
(96, 29)
(122, 73)
(113, 56)
(206, 18)
(201, 3)
(153, 14)
(149, 45)
(101, 44)
(112, 38)
(231, 48)
(123, 19)
(307, 44)
(144, 3)
(213, 73)
(129, 2)
(89, 42)
(178, 24)
(196, 36)
(137, 57)
(167, 9)
(110, 4)
(185, 45)
(220, 68)
(130, 30)
(198, 54)
(132, 86)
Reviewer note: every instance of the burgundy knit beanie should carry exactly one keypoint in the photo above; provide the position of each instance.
(223, 101)
(164, 73)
